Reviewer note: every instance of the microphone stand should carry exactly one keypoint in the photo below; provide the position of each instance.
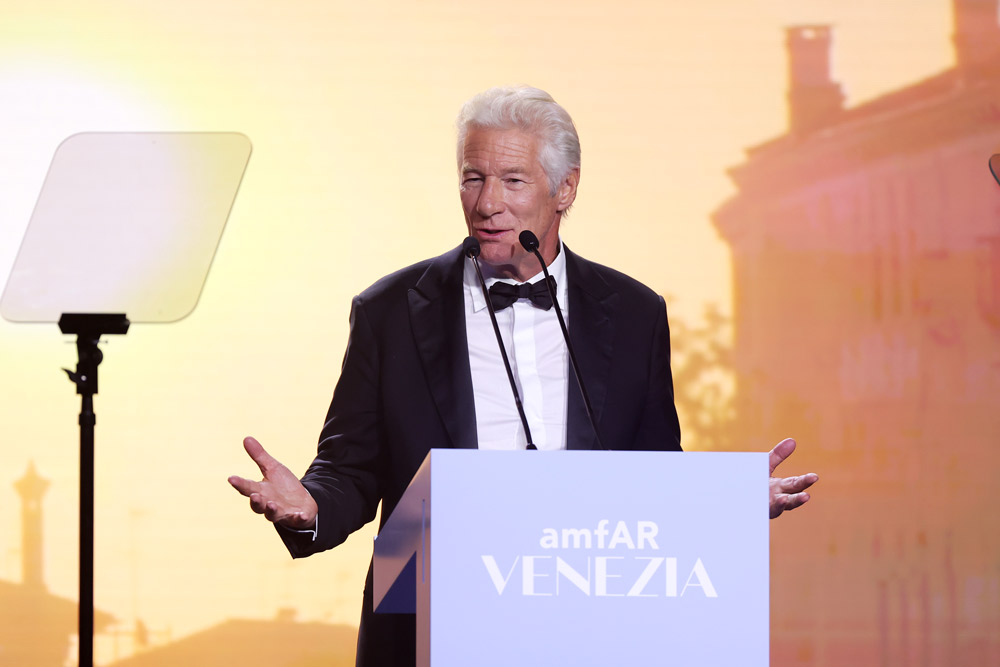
(471, 249)
(530, 243)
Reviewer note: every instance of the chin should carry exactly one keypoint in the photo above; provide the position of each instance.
(498, 260)
(496, 252)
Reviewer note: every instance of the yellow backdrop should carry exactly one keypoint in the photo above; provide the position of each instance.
(350, 109)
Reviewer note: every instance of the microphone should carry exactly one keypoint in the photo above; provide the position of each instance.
(530, 243)
(471, 249)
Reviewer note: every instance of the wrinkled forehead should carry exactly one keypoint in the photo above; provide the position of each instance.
(491, 148)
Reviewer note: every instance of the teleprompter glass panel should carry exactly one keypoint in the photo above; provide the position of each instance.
(126, 222)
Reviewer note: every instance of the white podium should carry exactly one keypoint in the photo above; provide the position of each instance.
(581, 558)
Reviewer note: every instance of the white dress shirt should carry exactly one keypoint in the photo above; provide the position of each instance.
(538, 359)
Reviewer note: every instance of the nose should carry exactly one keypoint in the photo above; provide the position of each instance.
(490, 200)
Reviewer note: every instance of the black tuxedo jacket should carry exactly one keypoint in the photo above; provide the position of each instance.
(406, 387)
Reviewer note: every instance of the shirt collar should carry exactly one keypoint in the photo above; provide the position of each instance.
(557, 269)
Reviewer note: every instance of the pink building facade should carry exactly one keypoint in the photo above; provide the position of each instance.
(866, 266)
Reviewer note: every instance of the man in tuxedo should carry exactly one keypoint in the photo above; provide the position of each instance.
(423, 368)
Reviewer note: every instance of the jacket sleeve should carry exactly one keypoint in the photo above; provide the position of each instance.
(343, 478)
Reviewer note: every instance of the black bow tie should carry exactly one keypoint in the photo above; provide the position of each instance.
(504, 294)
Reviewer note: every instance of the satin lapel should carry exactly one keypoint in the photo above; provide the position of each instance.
(437, 318)
(592, 332)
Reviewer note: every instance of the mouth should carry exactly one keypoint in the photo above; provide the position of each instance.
(491, 234)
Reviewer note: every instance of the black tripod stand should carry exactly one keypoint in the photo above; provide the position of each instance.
(88, 329)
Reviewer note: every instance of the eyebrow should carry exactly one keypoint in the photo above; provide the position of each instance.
(517, 169)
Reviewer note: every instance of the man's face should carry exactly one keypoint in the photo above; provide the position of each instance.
(505, 191)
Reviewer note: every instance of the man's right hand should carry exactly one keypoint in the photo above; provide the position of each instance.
(280, 496)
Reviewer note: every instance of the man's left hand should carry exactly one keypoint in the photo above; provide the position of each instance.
(787, 493)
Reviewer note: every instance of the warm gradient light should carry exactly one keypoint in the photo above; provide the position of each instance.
(349, 107)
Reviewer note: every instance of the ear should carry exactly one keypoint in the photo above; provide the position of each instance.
(566, 194)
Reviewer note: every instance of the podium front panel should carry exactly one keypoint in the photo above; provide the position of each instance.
(598, 558)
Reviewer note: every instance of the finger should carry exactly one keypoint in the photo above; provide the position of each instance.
(257, 503)
(275, 513)
(798, 483)
(244, 486)
(781, 452)
(783, 503)
(795, 500)
(256, 451)
(298, 521)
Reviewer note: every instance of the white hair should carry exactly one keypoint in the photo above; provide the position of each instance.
(530, 110)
